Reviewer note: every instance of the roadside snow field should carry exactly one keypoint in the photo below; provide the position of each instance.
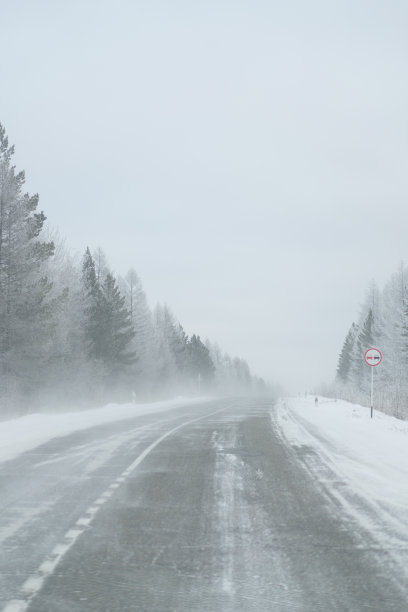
(25, 433)
(363, 462)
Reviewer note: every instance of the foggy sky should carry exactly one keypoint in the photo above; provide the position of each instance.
(248, 159)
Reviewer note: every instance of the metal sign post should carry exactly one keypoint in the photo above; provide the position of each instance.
(373, 358)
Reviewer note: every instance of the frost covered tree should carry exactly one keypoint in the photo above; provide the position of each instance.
(70, 329)
(101, 265)
(26, 309)
(366, 334)
(364, 341)
(243, 374)
(199, 360)
(92, 308)
(118, 330)
(70, 374)
(221, 373)
(393, 372)
(165, 347)
(233, 375)
(345, 357)
(145, 342)
(383, 324)
(108, 325)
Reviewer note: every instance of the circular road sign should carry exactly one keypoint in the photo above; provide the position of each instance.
(373, 357)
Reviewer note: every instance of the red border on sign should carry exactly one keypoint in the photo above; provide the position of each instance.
(373, 365)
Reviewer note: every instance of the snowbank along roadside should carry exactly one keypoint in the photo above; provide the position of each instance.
(25, 433)
(363, 462)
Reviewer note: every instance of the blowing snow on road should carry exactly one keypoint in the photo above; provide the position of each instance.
(220, 505)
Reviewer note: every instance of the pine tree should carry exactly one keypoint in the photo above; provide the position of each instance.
(166, 371)
(117, 328)
(345, 358)
(108, 324)
(366, 334)
(242, 374)
(359, 371)
(176, 340)
(92, 308)
(145, 341)
(199, 360)
(26, 310)
(101, 266)
(393, 369)
(70, 374)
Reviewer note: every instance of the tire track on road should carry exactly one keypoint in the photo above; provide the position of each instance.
(35, 582)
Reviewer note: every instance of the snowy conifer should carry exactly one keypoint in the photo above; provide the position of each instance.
(26, 310)
(345, 357)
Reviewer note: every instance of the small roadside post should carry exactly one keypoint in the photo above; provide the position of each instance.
(373, 358)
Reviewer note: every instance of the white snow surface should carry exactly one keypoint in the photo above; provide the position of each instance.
(28, 432)
(362, 461)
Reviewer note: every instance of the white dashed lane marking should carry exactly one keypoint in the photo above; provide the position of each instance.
(34, 583)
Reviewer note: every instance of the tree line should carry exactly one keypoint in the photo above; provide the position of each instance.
(382, 324)
(73, 333)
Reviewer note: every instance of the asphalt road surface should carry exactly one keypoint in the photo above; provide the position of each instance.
(200, 509)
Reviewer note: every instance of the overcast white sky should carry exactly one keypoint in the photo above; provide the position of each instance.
(248, 158)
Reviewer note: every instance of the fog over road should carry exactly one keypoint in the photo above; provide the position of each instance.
(200, 509)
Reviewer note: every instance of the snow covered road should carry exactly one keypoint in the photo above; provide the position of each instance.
(361, 463)
(204, 508)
